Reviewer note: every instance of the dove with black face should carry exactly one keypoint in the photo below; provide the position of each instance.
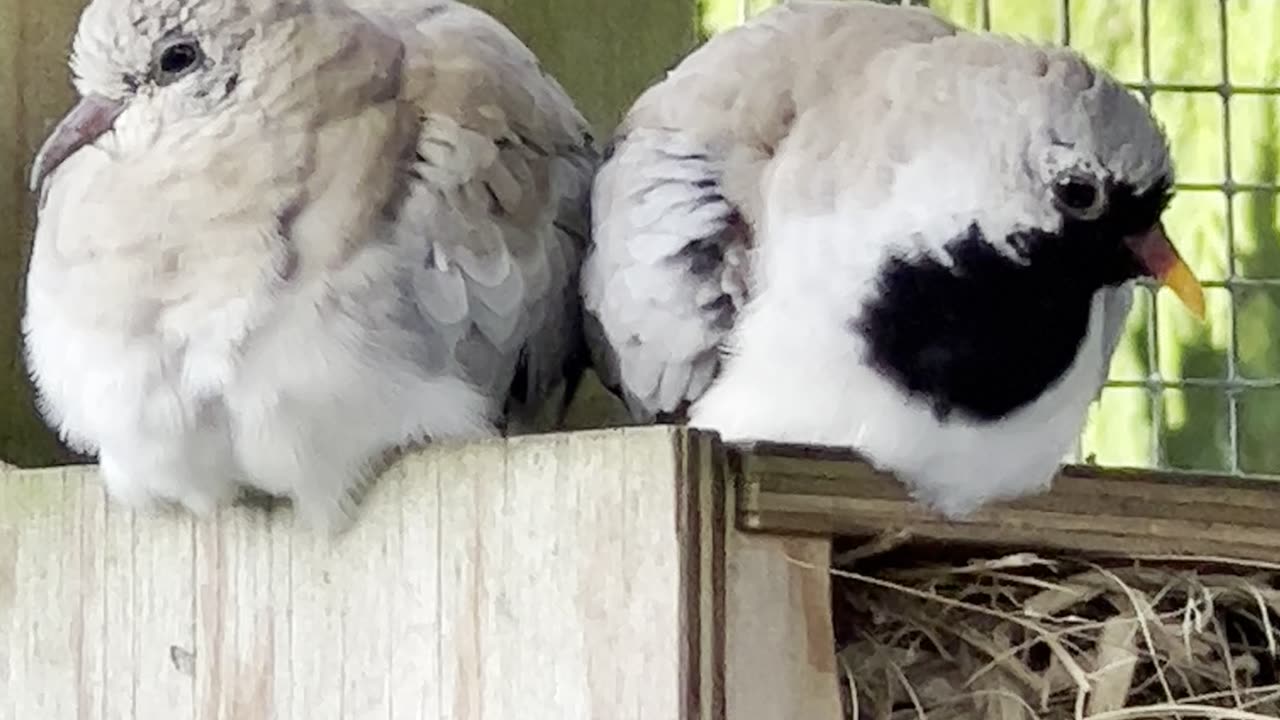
(279, 239)
(891, 235)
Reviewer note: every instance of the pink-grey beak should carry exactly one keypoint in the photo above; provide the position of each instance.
(89, 120)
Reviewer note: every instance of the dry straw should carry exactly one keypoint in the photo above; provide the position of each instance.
(1027, 636)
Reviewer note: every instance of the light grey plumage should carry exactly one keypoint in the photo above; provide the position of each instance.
(675, 204)
(340, 229)
(856, 225)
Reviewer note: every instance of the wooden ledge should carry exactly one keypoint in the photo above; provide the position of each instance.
(789, 489)
(571, 576)
(579, 576)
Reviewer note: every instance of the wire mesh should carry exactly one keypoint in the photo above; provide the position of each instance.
(1220, 391)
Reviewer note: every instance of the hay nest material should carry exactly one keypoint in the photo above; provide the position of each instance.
(1029, 636)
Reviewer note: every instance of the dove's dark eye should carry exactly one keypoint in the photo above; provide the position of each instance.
(174, 60)
(1079, 197)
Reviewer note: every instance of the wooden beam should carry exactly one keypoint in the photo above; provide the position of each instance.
(789, 489)
(779, 629)
(583, 575)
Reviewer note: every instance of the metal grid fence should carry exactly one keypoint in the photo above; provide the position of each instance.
(1223, 391)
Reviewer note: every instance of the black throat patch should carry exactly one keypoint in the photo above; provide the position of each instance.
(987, 334)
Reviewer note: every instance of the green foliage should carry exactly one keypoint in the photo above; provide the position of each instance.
(1185, 428)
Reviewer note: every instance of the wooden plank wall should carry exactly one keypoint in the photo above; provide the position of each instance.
(545, 577)
(603, 51)
(575, 576)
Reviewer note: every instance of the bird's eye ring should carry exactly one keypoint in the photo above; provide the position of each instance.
(1080, 197)
(175, 59)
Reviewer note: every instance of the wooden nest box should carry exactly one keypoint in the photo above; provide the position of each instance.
(645, 573)
(585, 575)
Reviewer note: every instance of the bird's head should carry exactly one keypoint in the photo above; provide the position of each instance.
(1052, 160)
(160, 73)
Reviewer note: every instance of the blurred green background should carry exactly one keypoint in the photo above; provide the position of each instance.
(1174, 378)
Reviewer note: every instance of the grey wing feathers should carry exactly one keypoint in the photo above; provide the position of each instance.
(674, 206)
(499, 189)
(667, 271)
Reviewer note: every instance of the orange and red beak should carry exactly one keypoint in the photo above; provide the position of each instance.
(1161, 259)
